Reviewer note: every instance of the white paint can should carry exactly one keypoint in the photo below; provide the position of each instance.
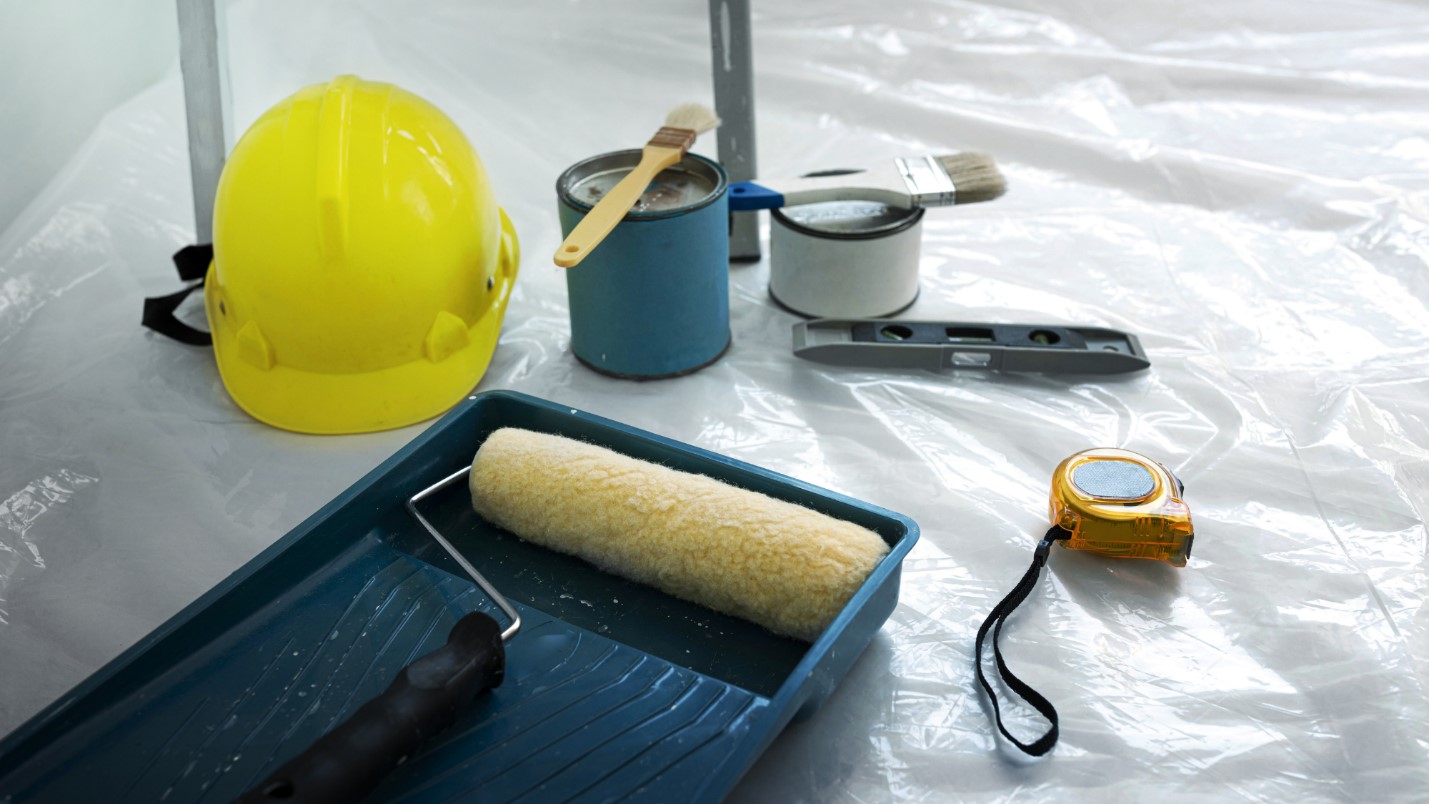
(845, 259)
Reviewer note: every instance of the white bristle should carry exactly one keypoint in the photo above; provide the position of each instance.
(975, 176)
(692, 116)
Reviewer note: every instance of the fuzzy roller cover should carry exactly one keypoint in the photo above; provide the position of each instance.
(739, 552)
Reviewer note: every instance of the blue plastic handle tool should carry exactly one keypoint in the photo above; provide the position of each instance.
(746, 196)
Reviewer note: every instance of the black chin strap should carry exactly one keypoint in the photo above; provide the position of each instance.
(192, 263)
(994, 621)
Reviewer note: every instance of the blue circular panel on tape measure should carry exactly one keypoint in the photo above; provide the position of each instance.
(1113, 480)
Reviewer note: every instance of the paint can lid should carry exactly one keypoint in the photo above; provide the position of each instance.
(848, 220)
(848, 217)
(683, 187)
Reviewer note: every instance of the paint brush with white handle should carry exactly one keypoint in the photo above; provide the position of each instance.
(925, 181)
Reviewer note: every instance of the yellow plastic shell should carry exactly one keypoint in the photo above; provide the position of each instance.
(361, 265)
(1132, 509)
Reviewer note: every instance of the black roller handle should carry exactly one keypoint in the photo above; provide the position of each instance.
(345, 764)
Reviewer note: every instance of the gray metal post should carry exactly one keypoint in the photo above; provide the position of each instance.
(732, 47)
(203, 60)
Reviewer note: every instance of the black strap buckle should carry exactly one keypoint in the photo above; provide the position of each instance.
(192, 263)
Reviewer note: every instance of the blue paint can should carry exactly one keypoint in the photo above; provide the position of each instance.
(652, 300)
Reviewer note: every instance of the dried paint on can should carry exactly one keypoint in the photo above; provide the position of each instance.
(652, 300)
(845, 259)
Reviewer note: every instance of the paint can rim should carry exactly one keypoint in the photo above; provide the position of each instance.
(583, 169)
(905, 223)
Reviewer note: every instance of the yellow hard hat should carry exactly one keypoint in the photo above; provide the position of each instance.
(361, 266)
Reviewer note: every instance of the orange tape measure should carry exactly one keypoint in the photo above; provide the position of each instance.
(1110, 501)
(1120, 503)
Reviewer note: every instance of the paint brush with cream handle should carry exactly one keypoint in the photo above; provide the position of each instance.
(926, 181)
(667, 147)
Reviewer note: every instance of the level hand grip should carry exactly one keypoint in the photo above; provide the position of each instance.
(347, 762)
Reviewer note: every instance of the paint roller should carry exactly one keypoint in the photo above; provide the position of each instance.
(780, 565)
(738, 552)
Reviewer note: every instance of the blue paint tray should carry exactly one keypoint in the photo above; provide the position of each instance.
(613, 690)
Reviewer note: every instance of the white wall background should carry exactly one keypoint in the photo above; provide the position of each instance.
(63, 65)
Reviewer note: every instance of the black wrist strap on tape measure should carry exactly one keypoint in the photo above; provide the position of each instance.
(192, 263)
(994, 621)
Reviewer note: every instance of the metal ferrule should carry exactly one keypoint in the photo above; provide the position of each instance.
(928, 183)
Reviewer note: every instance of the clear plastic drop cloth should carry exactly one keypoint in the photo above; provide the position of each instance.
(1245, 186)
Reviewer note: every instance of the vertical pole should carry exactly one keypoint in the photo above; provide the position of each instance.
(732, 47)
(203, 60)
